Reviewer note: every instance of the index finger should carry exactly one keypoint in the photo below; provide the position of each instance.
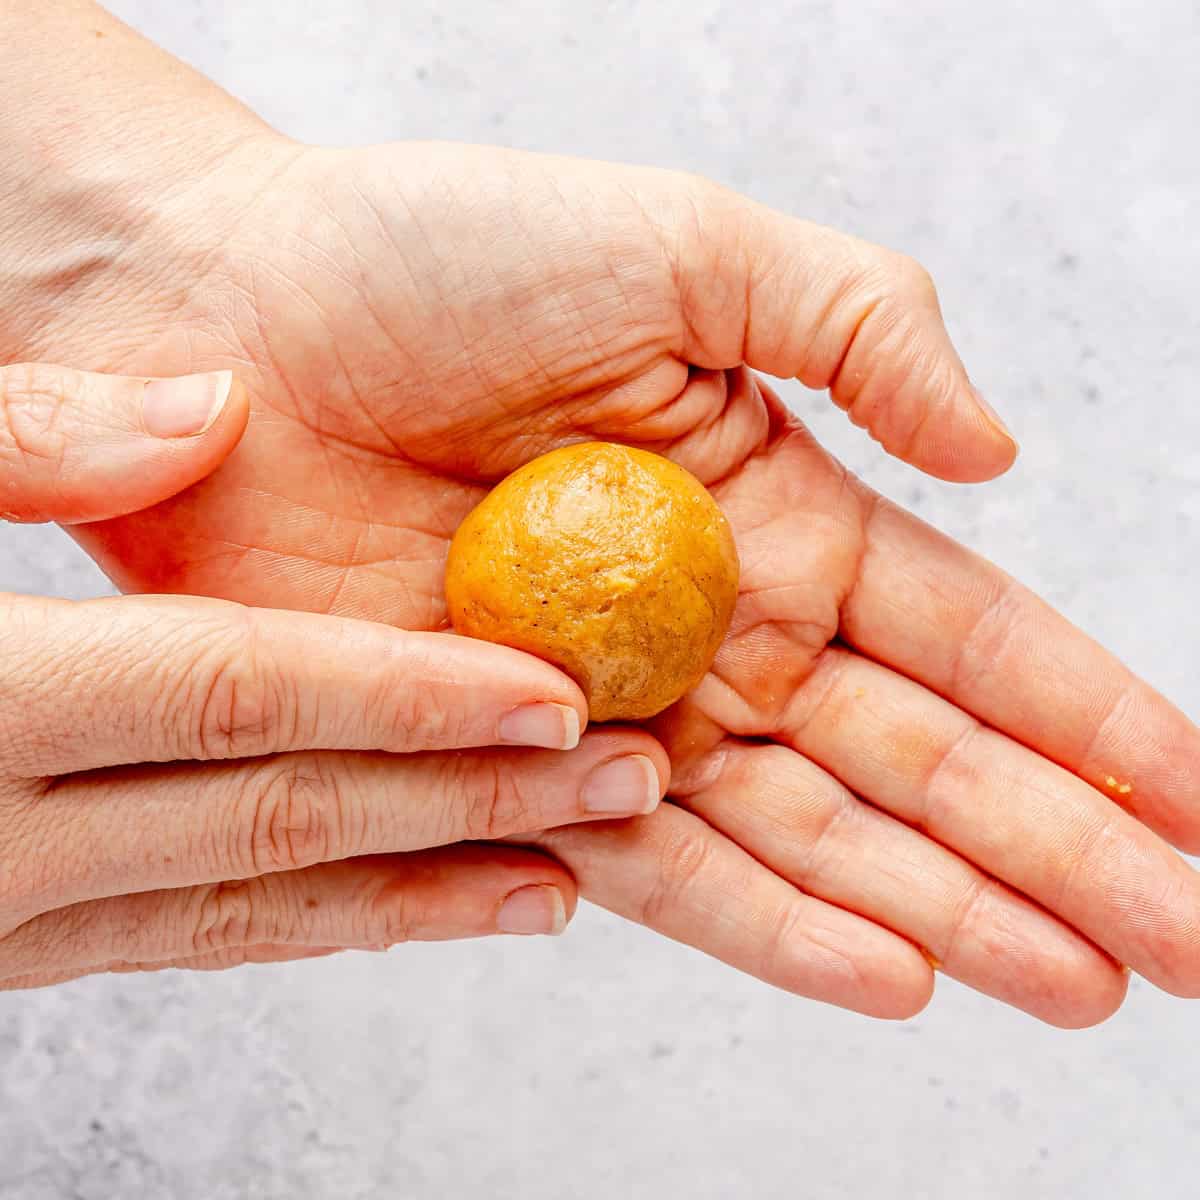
(951, 620)
(132, 680)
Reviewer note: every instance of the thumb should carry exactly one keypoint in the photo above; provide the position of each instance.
(798, 300)
(78, 447)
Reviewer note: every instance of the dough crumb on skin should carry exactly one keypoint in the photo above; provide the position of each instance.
(1122, 789)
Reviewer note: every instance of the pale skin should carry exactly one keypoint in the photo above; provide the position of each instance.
(188, 781)
(900, 759)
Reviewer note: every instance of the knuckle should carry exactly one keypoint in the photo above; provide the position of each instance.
(426, 715)
(987, 639)
(390, 917)
(1112, 712)
(46, 942)
(424, 721)
(244, 703)
(782, 932)
(237, 913)
(293, 816)
(685, 210)
(27, 739)
(827, 820)
(494, 800)
(970, 913)
(951, 766)
(32, 869)
(32, 402)
(225, 960)
(684, 858)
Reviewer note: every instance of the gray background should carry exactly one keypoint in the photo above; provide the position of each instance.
(1041, 159)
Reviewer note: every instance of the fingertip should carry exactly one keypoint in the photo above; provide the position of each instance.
(568, 889)
(995, 447)
(509, 868)
(541, 724)
(992, 418)
(537, 909)
(973, 447)
(222, 428)
(189, 425)
(1085, 1008)
(508, 696)
(641, 742)
(186, 406)
(1076, 985)
(573, 723)
(662, 766)
(105, 445)
(616, 739)
(903, 989)
(540, 896)
(231, 421)
(841, 958)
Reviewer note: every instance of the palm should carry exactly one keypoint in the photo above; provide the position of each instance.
(392, 387)
(411, 332)
(409, 390)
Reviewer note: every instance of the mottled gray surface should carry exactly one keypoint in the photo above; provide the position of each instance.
(1041, 158)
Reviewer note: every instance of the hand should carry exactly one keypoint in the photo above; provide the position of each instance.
(192, 783)
(898, 748)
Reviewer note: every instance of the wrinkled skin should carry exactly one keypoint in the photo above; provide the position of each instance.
(899, 756)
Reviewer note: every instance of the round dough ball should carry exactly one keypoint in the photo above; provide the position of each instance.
(614, 564)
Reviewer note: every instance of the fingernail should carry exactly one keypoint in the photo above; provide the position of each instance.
(185, 406)
(553, 726)
(529, 910)
(992, 415)
(622, 785)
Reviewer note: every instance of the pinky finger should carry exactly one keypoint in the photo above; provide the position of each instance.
(679, 876)
(221, 960)
(434, 895)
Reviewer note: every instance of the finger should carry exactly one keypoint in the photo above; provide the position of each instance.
(795, 299)
(224, 960)
(78, 447)
(675, 874)
(138, 829)
(799, 821)
(131, 680)
(455, 892)
(1017, 816)
(944, 616)
(220, 961)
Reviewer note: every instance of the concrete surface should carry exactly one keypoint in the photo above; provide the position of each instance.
(1042, 160)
